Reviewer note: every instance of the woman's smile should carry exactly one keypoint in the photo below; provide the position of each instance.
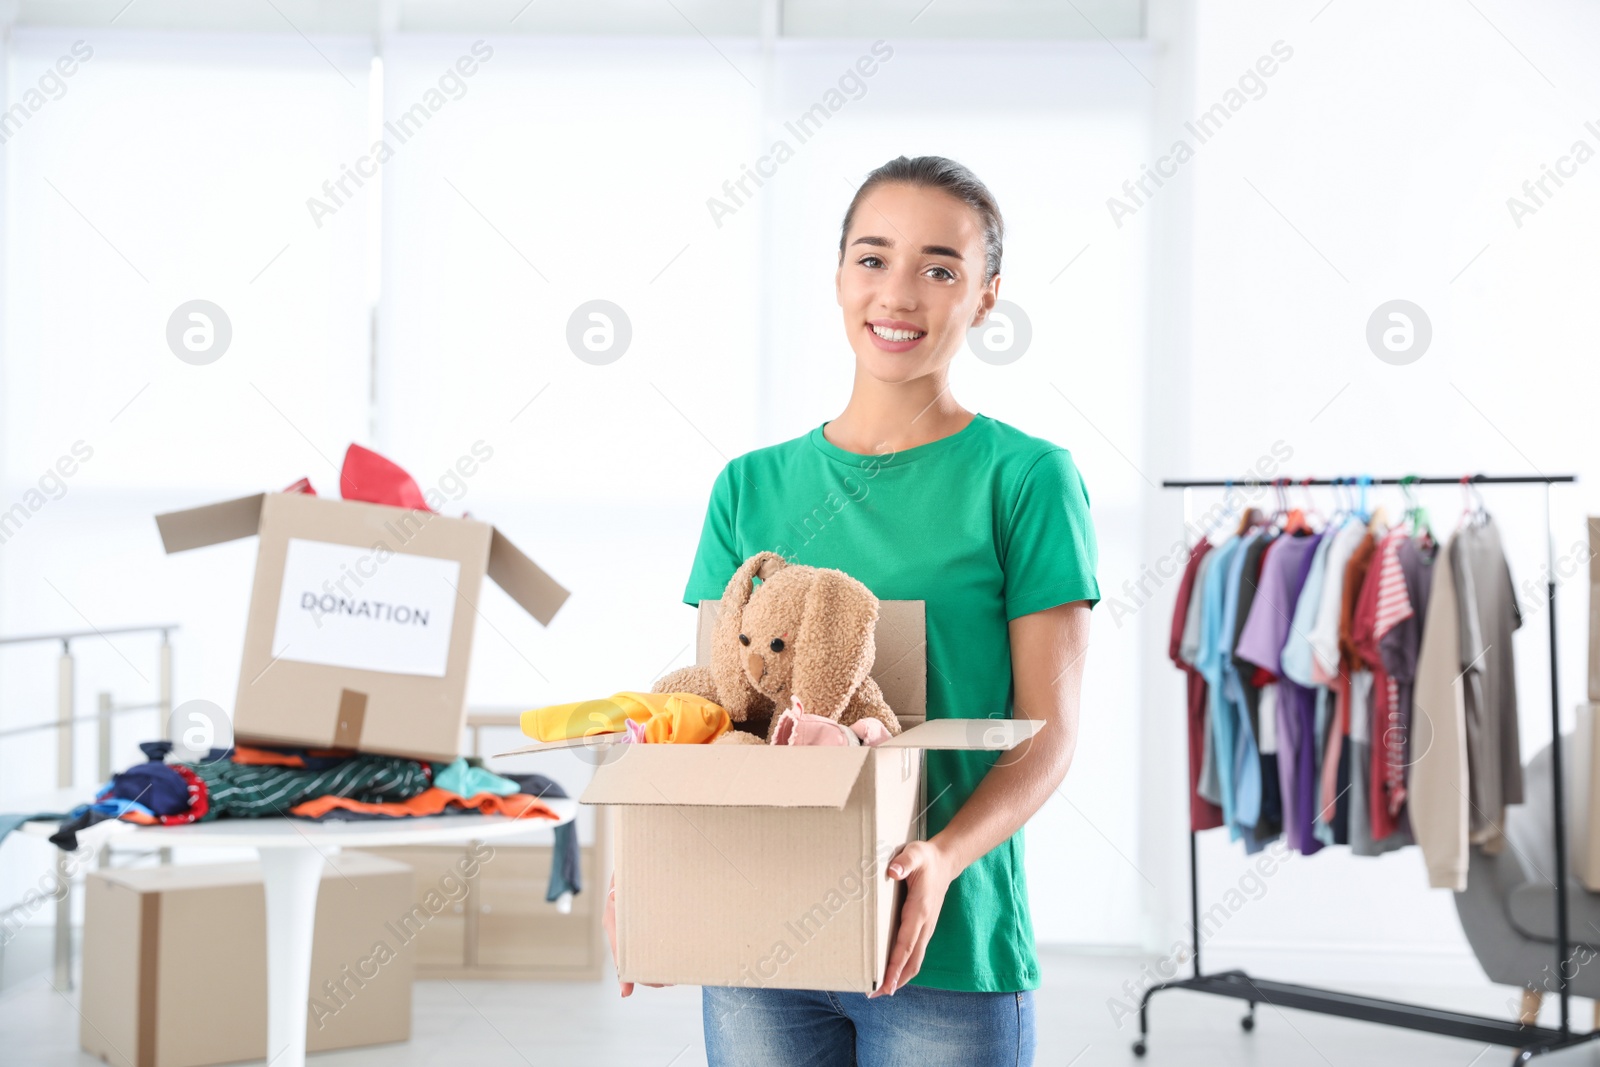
(895, 335)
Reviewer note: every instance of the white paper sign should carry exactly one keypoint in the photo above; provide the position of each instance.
(347, 606)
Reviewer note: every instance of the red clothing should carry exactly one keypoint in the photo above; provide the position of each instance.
(1203, 815)
(1394, 606)
(1385, 699)
(1338, 730)
(1355, 576)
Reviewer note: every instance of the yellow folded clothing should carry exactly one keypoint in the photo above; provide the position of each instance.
(667, 718)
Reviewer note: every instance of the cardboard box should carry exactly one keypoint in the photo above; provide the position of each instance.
(361, 618)
(1594, 608)
(1581, 759)
(746, 865)
(175, 962)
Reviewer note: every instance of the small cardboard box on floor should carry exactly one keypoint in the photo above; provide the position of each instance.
(361, 618)
(175, 962)
(746, 865)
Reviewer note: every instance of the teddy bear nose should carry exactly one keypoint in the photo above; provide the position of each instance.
(754, 666)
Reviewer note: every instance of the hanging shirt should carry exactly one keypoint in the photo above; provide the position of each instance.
(1283, 575)
(1203, 815)
(1356, 792)
(1212, 657)
(1322, 818)
(1209, 787)
(1383, 822)
(1364, 633)
(1245, 692)
(1488, 615)
(1297, 658)
(1297, 711)
(1437, 795)
(1259, 749)
(1300, 667)
(1324, 630)
(1327, 671)
(985, 525)
(1189, 644)
(1403, 605)
(1355, 579)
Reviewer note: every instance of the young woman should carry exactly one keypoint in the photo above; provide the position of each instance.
(922, 499)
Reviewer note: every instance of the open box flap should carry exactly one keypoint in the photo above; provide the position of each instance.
(210, 524)
(592, 741)
(728, 776)
(524, 580)
(993, 734)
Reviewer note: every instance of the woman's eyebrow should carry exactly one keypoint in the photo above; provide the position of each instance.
(927, 250)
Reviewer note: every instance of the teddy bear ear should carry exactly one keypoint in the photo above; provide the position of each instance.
(738, 696)
(762, 565)
(834, 645)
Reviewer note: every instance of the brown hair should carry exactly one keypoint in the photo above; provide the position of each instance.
(937, 172)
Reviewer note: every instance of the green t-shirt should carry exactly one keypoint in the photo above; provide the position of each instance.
(983, 525)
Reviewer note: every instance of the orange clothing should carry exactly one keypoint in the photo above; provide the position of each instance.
(1355, 575)
(266, 757)
(432, 801)
(668, 718)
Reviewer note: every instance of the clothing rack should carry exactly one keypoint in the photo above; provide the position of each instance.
(1531, 1040)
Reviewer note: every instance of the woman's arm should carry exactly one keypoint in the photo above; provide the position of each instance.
(1047, 652)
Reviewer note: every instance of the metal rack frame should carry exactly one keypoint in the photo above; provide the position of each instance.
(1530, 1040)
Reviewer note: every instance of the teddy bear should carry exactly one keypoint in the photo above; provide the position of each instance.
(803, 638)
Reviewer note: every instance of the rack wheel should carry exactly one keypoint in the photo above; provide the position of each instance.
(1138, 1047)
(1248, 1023)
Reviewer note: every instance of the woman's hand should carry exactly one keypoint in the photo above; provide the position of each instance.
(927, 871)
(609, 921)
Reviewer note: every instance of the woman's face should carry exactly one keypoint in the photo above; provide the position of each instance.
(911, 280)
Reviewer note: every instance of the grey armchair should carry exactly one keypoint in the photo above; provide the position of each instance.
(1508, 910)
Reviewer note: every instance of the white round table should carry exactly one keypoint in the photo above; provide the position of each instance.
(292, 853)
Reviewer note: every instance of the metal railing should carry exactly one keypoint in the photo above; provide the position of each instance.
(64, 726)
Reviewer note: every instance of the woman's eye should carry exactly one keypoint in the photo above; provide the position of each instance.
(777, 644)
(944, 273)
(870, 261)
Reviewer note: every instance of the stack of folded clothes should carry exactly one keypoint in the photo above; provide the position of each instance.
(324, 785)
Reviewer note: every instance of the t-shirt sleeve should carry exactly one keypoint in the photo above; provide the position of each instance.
(1266, 627)
(1050, 551)
(718, 556)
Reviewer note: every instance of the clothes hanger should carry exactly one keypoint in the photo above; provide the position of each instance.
(1311, 507)
(1251, 517)
(1287, 520)
(1473, 510)
(1354, 510)
(1275, 519)
(1415, 514)
(1377, 518)
(1341, 509)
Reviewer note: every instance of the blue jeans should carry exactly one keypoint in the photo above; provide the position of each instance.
(917, 1027)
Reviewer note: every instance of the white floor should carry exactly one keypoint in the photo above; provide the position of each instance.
(508, 1024)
